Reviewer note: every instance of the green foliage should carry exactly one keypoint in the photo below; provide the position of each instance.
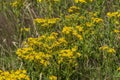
(61, 39)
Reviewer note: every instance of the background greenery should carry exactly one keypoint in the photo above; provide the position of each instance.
(17, 24)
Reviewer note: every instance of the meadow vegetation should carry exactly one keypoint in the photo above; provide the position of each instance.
(60, 40)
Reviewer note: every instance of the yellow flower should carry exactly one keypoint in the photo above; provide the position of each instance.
(17, 72)
(82, 17)
(118, 69)
(91, 0)
(66, 53)
(111, 50)
(39, 1)
(112, 14)
(44, 62)
(79, 28)
(108, 49)
(74, 48)
(39, 20)
(67, 30)
(14, 75)
(14, 4)
(89, 24)
(52, 20)
(76, 1)
(52, 77)
(118, 15)
(81, 1)
(25, 29)
(56, 0)
(54, 34)
(73, 9)
(97, 20)
(77, 35)
(51, 38)
(78, 54)
(116, 31)
(104, 47)
(62, 40)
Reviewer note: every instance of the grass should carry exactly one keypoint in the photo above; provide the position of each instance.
(60, 39)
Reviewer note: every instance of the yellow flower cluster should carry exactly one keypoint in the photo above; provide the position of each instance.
(116, 31)
(14, 75)
(43, 48)
(34, 48)
(67, 30)
(68, 54)
(25, 29)
(90, 24)
(74, 31)
(93, 14)
(48, 0)
(118, 69)
(97, 20)
(52, 77)
(16, 3)
(82, 1)
(29, 54)
(73, 9)
(113, 14)
(46, 22)
(108, 49)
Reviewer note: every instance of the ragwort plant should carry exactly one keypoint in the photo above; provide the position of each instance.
(67, 40)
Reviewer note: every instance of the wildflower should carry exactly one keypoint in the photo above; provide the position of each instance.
(32, 41)
(39, 20)
(25, 29)
(54, 34)
(82, 17)
(78, 54)
(97, 20)
(116, 31)
(74, 48)
(52, 20)
(104, 47)
(39, 1)
(62, 40)
(14, 4)
(89, 24)
(118, 69)
(52, 77)
(77, 35)
(112, 14)
(51, 38)
(67, 30)
(73, 9)
(76, 1)
(44, 62)
(116, 22)
(81, 1)
(111, 50)
(118, 15)
(79, 28)
(91, 0)
(45, 25)
(108, 49)
(66, 53)
(14, 75)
